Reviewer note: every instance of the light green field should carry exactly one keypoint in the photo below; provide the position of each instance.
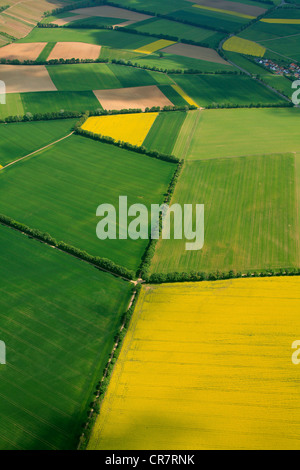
(251, 219)
(59, 190)
(163, 134)
(58, 319)
(225, 133)
(13, 106)
(20, 139)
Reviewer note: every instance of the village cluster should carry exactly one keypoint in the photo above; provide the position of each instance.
(291, 70)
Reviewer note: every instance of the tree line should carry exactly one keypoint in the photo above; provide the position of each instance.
(194, 276)
(102, 385)
(150, 251)
(128, 63)
(102, 263)
(125, 145)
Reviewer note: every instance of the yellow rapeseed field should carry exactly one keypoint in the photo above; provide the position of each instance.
(131, 128)
(184, 95)
(280, 21)
(228, 12)
(243, 46)
(207, 366)
(154, 46)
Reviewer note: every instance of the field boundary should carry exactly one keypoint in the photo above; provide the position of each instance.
(297, 170)
(104, 382)
(46, 239)
(36, 151)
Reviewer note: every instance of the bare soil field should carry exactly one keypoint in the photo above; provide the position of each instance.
(195, 52)
(111, 12)
(13, 27)
(26, 78)
(22, 15)
(68, 19)
(3, 41)
(74, 50)
(231, 6)
(22, 52)
(132, 98)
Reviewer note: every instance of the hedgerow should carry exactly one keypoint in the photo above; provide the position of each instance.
(102, 263)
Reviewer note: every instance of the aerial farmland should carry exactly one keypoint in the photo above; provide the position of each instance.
(149, 225)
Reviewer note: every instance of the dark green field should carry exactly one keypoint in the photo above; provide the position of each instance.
(59, 190)
(20, 139)
(214, 20)
(152, 5)
(179, 30)
(102, 37)
(279, 39)
(85, 77)
(56, 101)
(58, 320)
(225, 89)
(251, 219)
(164, 132)
(172, 61)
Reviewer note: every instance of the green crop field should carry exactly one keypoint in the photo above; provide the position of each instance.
(20, 139)
(250, 216)
(55, 101)
(102, 37)
(285, 47)
(59, 317)
(70, 180)
(172, 61)
(225, 133)
(46, 51)
(278, 82)
(137, 77)
(280, 39)
(85, 77)
(208, 90)
(179, 30)
(172, 95)
(97, 22)
(156, 6)
(13, 106)
(164, 132)
(212, 19)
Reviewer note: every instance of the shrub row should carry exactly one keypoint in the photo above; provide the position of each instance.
(4, 7)
(251, 105)
(101, 387)
(43, 116)
(52, 61)
(193, 276)
(127, 146)
(150, 251)
(101, 263)
(80, 114)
